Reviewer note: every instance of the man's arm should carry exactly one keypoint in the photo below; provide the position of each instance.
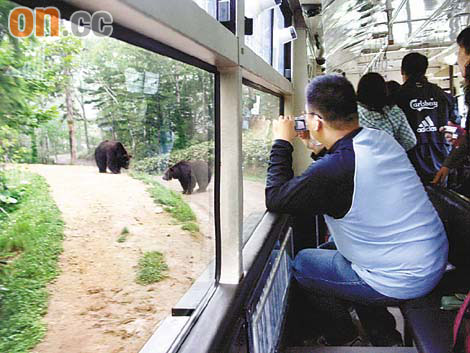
(318, 190)
(457, 157)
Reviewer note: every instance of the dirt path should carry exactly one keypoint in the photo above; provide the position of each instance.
(203, 203)
(95, 304)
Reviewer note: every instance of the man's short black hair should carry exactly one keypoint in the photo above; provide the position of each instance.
(372, 91)
(414, 65)
(333, 96)
(463, 40)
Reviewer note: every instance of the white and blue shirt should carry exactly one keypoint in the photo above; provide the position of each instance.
(375, 207)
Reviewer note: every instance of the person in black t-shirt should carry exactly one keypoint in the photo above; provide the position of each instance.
(460, 156)
(427, 108)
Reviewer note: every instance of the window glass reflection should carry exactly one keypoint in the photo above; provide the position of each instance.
(278, 48)
(259, 110)
(210, 6)
(260, 40)
(111, 221)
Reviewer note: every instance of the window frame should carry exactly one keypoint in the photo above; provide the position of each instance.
(287, 13)
(261, 88)
(132, 37)
(225, 57)
(232, 24)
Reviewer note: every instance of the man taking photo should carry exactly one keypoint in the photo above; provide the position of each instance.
(391, 244)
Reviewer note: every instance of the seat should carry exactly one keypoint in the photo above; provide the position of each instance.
(429, 327)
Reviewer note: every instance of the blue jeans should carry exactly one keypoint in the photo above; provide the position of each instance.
(332, 287)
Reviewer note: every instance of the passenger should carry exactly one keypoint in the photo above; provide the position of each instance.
(392, 89)
(375, 112)
(458, 156)
(391, 244)
(427, 108)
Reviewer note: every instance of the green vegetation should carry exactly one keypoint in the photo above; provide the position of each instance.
(191, 227)
(257, 176)
(255, 155)
(64, 95)
(157, 165)
(152, 268)
(10, 194)
(30, 241)
(172, 202)
(123, 237)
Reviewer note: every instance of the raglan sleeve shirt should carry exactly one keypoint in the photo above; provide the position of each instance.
(326, 187)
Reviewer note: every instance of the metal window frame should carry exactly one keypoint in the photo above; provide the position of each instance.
(211, 305)
(258, 87)
(232, 24)
(286, 11)
(131, 37)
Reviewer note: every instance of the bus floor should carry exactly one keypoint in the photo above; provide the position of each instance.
(296, 338)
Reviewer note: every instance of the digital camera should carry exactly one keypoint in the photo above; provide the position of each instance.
(300, 124)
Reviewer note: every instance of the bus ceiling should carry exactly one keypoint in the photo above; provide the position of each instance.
(357, 36)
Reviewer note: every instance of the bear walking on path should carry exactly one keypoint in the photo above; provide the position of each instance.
(188, 173)
(111, 155)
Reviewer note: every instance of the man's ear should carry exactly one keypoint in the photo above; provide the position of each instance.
(317, 124)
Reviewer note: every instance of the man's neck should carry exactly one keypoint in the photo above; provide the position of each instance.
(336, 135)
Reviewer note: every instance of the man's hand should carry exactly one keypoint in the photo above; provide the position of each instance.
(283, 129)
(447, 135)
(310, 143)
(441, 176)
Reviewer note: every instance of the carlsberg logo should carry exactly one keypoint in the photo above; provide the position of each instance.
(423, 104)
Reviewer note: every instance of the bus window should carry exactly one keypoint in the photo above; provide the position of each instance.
(259, 109)
(278, 46)
(210, 6)
(79, 111)
(261, 39)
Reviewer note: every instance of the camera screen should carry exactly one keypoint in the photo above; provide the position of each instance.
(300, 125)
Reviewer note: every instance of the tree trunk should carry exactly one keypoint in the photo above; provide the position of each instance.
(70, 119)
(34, 146)
(85, 123)
(131, 134)
(48, 153)
(114, 129)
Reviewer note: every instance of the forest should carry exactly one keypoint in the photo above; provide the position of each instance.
(61, 96)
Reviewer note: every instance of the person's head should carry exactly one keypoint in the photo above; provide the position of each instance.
(392, 90)
(414, 66)
(331, 107)
(392, 87)
(372, 91)
(463, 58)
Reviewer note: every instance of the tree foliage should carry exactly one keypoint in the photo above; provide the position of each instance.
(63, 96)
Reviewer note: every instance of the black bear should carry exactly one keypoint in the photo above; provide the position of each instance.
(188, 172)
(113, 155)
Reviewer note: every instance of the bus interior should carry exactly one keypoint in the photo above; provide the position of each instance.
(266, 52)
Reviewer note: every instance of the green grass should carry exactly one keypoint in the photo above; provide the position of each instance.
(172, 202)
(152, 268)
(255, 177)
(191, 227)
(31, 240)
(124, 233)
